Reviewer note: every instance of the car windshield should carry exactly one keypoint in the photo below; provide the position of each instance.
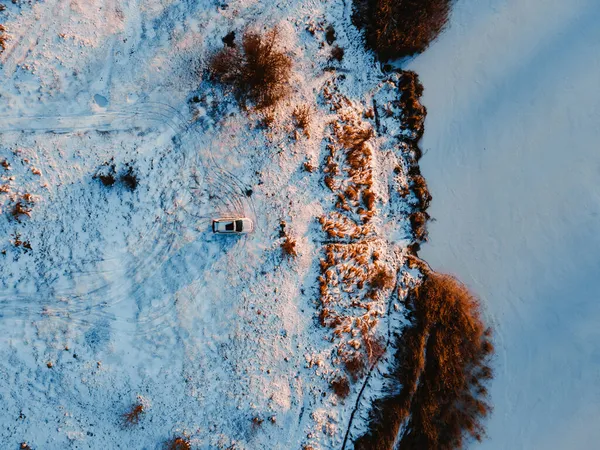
(229, 226)
(239, 225)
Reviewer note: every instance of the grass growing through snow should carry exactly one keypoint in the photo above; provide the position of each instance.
(443, 368)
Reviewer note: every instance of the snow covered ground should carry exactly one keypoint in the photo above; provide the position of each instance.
(513, 165)
(114, 293)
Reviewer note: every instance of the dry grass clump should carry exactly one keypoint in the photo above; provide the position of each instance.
(258, 71)
(419, 187)
(341, 386)
(133, 416)
(23, 206)
(179, 443)
(418, 222)
(398, 28)
(337, 53)
(289, 246)
(302, 116)
(130, 179)
(106, 174)
(413, 112)
(2, 37)
(443, 367)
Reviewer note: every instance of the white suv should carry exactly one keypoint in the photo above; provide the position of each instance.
(232, 225)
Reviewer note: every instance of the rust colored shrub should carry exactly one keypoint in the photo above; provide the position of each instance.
(337, 53)
(130, 179)
(419, 187)
(302, 118)
(258, 71)
(418, 222)
(382, 279)
(134, 415)
(341, 386)
(442, 364)
(179, 443)
(289, 246)
(355, 365)
(398, 28)
(2, 36)
(330, 34)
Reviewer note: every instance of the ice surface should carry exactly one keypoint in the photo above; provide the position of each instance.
(513, 165)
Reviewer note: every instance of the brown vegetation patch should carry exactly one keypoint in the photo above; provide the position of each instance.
(179, 443)
(337, 53)
(302, 116)
(258, 71)
(289, 246)
(2, 38)
(341, 386)
(442, 364)
(398, 28)
(134, 415)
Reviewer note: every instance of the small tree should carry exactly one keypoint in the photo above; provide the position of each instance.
(258, 71)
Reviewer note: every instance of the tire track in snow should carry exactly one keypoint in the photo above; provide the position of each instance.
(161, 238)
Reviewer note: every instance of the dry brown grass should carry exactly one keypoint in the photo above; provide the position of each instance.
(23, 207)
(2, 38)
(133, 416)
(397, 28)
(289, 246)
(341, 386)
(418, 222)
(413, 112)
(337, 53)
(258, 72)
(179, 443)
(443, 368)
(419, 187)
(302, 116)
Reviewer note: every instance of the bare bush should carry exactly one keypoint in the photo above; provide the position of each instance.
(133, 416)
(337, 53)
(302, 117)
(442, 364)
(130, 179)
(23, 207)
(341, 386)
(397, 28)
(179, 443)
(289, 246)
(418, 222)
(2, 37)
(258, 71)
(355, 365)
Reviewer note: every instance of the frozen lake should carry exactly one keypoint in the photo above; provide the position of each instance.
(513, 163)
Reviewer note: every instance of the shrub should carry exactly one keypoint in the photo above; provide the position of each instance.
(418, 222)
(130, 179)
(302, 118)
(23, 207)
(337, 53)
(258, 72)
(2, 36)
(330, 34)
(133, 416)
(398, 28)
(106, 174)
(382, 279)
(341, 386)
(442, 366)
(289, 246)
(355, 365)
(179, 443)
